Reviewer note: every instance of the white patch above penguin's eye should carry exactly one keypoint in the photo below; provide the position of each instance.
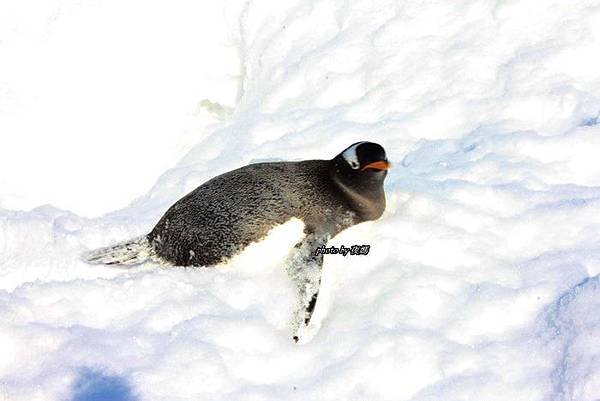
(350, 156)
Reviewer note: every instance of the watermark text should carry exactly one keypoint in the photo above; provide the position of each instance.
(343, 250)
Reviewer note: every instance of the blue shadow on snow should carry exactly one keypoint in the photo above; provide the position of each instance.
(94, 385)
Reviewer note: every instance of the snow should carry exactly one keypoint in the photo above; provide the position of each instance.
(482, 278)
(83, 83)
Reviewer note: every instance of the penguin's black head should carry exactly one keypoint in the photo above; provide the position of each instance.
(359, 172)
(362, 161)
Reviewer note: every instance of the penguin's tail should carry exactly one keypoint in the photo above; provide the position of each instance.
(132, 252)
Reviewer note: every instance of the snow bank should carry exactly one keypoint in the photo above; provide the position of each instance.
(110, 87)
(482, 280)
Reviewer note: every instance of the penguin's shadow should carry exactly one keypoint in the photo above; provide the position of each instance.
(95, 385)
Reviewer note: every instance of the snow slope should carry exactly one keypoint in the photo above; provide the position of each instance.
(482, 280)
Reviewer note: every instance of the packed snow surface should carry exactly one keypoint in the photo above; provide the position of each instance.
(482, 280)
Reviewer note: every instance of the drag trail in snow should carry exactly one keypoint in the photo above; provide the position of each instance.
(482, 278)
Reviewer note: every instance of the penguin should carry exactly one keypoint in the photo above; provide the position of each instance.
(221, 217)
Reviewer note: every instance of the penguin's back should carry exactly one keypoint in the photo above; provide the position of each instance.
(224, 215)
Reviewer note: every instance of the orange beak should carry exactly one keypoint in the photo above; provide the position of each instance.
(378, 165)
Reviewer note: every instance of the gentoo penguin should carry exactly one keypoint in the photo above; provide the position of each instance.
(225, 214)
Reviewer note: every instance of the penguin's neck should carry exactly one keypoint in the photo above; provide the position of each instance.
(366, 198)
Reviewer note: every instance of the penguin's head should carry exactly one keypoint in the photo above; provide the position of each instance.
(359, 172)
(362, 162)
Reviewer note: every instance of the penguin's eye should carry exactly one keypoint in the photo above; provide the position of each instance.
(354, 164)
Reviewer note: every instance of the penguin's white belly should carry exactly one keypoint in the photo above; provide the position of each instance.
(273, 248)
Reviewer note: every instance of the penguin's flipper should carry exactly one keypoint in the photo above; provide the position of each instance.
(304, 268)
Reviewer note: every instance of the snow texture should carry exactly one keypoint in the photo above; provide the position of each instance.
(482, 278)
